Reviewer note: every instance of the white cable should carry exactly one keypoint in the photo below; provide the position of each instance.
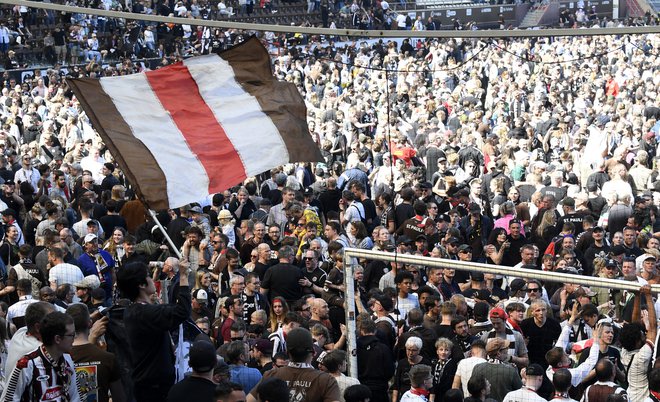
(343, 32)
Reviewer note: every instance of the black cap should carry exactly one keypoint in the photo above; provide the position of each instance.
(484, 295)
(618, 250)
(453, 240)
(473, 207)
(202, 357)
(9, 212)
(403, 239)
(598, 229)
(464, 247)
(385, 301)
(516, 286)
(308, 192)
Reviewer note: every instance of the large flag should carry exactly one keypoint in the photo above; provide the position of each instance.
(200, 126)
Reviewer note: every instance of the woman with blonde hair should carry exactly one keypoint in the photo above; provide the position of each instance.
(115, 244)
(546, 230)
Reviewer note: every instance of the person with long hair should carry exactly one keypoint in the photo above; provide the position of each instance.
(546, 230)
(522, 208)
(9, 247)
(115, 244)
(203, 281)
(497, 246)
(362, 239)
(278, 309)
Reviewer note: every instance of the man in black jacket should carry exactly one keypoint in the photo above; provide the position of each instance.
(148, 329)
(375, 361)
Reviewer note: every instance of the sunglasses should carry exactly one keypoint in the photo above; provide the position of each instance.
(533, 290)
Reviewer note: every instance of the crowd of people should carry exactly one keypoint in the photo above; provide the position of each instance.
(534, 153)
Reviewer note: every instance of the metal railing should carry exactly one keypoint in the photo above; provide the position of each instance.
(351, 253)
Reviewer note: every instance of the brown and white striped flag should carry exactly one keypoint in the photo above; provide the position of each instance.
(201, 126)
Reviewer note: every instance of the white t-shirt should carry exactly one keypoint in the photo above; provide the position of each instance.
(523, 395)
(464, 370)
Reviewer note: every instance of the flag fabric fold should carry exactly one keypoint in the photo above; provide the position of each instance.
(200, 126)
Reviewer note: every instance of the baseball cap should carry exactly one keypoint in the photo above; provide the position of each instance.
(264, 346)
(88, 282)
(299, 340)
(403, 239)
(221, 367)
(485, 295)
(308, 192)
(8, 211)
(618, 250)
(516, 286)
(568, 201)
(496, 344)
(196, 209)
(598, 229)
(200, 295)
(453, 240)
(498, 312)
(224, 214)
(464, 247)
(202, 357)
(90, 237)
(385, 301)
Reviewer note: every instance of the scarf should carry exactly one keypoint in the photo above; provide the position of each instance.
(420, 392)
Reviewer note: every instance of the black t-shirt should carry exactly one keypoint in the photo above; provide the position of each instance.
(370, 212)
(282, 280)
(192, 389)
(541, 339)
(402, 212)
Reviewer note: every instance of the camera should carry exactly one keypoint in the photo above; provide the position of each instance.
(156, 264)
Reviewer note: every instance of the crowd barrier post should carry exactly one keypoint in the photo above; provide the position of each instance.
(349, 309)
(351, 254)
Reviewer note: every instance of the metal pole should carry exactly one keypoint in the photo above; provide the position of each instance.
(497, 269)
(167, 236)
(349, 309)
(486, 34)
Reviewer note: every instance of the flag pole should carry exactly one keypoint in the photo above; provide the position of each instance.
(167, 236)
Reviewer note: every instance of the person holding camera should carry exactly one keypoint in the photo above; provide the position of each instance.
(148, 326)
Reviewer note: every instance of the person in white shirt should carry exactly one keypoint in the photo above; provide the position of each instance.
(532, 378)
(465, 366)
(16, 312)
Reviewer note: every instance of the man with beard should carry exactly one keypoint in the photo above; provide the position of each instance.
(60, 189)
(598, 249)
(313, 277)
(234, 306)
(98, 262)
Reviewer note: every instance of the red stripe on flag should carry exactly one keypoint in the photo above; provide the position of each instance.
(178, 93)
